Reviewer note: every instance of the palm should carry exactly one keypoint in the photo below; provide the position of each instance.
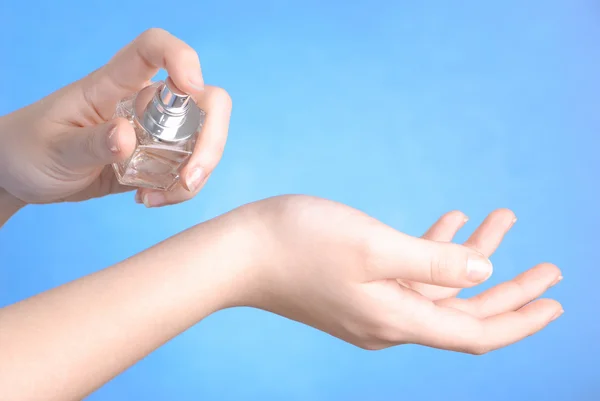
(86, 104)
(104, 183)
(345, 268)
(48, 178)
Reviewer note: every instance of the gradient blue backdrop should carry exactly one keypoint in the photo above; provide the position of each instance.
(403, 109)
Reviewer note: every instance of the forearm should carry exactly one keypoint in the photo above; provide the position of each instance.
(64, 343)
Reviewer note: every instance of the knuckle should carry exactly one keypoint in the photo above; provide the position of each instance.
(370, 247)
(174, 48)
(210, 157)
(222, 97)
(366, 244)
(484, 306)
(447, 263)
(517, 288)
(187, 53)
(153, 34)
(438, 268)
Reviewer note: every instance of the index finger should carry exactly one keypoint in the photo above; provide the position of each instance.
(133, 67)
(488, 236)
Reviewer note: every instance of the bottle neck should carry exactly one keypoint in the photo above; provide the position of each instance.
(166, 115)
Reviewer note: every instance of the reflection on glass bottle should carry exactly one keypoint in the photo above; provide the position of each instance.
(167, 123)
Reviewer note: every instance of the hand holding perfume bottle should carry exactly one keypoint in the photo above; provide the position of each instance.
(115, 131)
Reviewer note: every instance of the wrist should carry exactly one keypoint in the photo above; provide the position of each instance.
(9, 205)
(204, 269)
(258, 268)
(231, 263)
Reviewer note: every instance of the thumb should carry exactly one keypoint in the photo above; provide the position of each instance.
(97, 145)
(439, 263)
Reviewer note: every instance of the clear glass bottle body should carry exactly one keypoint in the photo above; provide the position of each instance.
(155, 163)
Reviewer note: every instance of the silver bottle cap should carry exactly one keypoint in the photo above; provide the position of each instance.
(170, 115)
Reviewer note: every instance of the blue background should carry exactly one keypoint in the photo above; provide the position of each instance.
(403, 109)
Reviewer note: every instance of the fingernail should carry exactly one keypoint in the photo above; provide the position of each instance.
(154, 199)
(479, 268)
(138, 197)
(556, 281)
(112, 140)
(197, 82)
(194, 179)
(466, 218)
(557, 315)
(513, 222)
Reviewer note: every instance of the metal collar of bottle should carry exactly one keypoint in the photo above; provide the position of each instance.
(169, 115)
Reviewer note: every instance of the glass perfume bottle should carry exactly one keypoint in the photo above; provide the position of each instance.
(167, 124)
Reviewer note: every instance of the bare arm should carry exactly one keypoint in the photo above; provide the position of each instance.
(66, 342)
(311, 260)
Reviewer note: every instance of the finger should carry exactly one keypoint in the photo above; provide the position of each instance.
(446, 227)
(134, 66)
(442, 230)
(156, 198)
(485, 239)
(208, 151)
(488, 236)
(510, 295)
(96, 145)
(451, 329)
(392, 255)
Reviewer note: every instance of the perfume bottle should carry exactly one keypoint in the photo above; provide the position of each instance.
(167, 124)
